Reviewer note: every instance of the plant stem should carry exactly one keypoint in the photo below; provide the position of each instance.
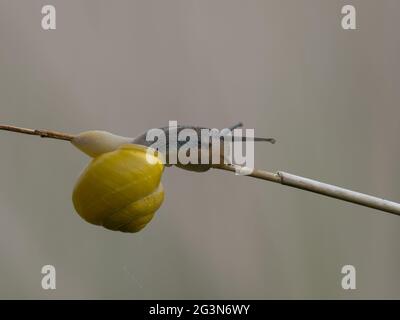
(281, 177)
(41, 133)
(325, 189)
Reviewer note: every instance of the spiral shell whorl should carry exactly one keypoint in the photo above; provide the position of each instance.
(120, 190)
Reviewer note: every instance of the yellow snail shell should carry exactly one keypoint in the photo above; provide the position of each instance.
(121, 189)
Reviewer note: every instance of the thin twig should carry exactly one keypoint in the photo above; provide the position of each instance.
(41, 133)
(281, 177)
(325, 189)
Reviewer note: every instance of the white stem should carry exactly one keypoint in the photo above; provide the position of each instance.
(325, 189)
(329, 190)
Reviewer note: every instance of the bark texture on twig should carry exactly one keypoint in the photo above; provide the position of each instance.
(41, 133)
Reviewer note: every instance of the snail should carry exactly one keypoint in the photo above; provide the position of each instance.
(121, 189)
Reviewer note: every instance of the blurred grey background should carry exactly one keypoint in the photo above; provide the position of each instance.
(285, 68)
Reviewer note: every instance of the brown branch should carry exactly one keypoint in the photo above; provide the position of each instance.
(41, 133)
